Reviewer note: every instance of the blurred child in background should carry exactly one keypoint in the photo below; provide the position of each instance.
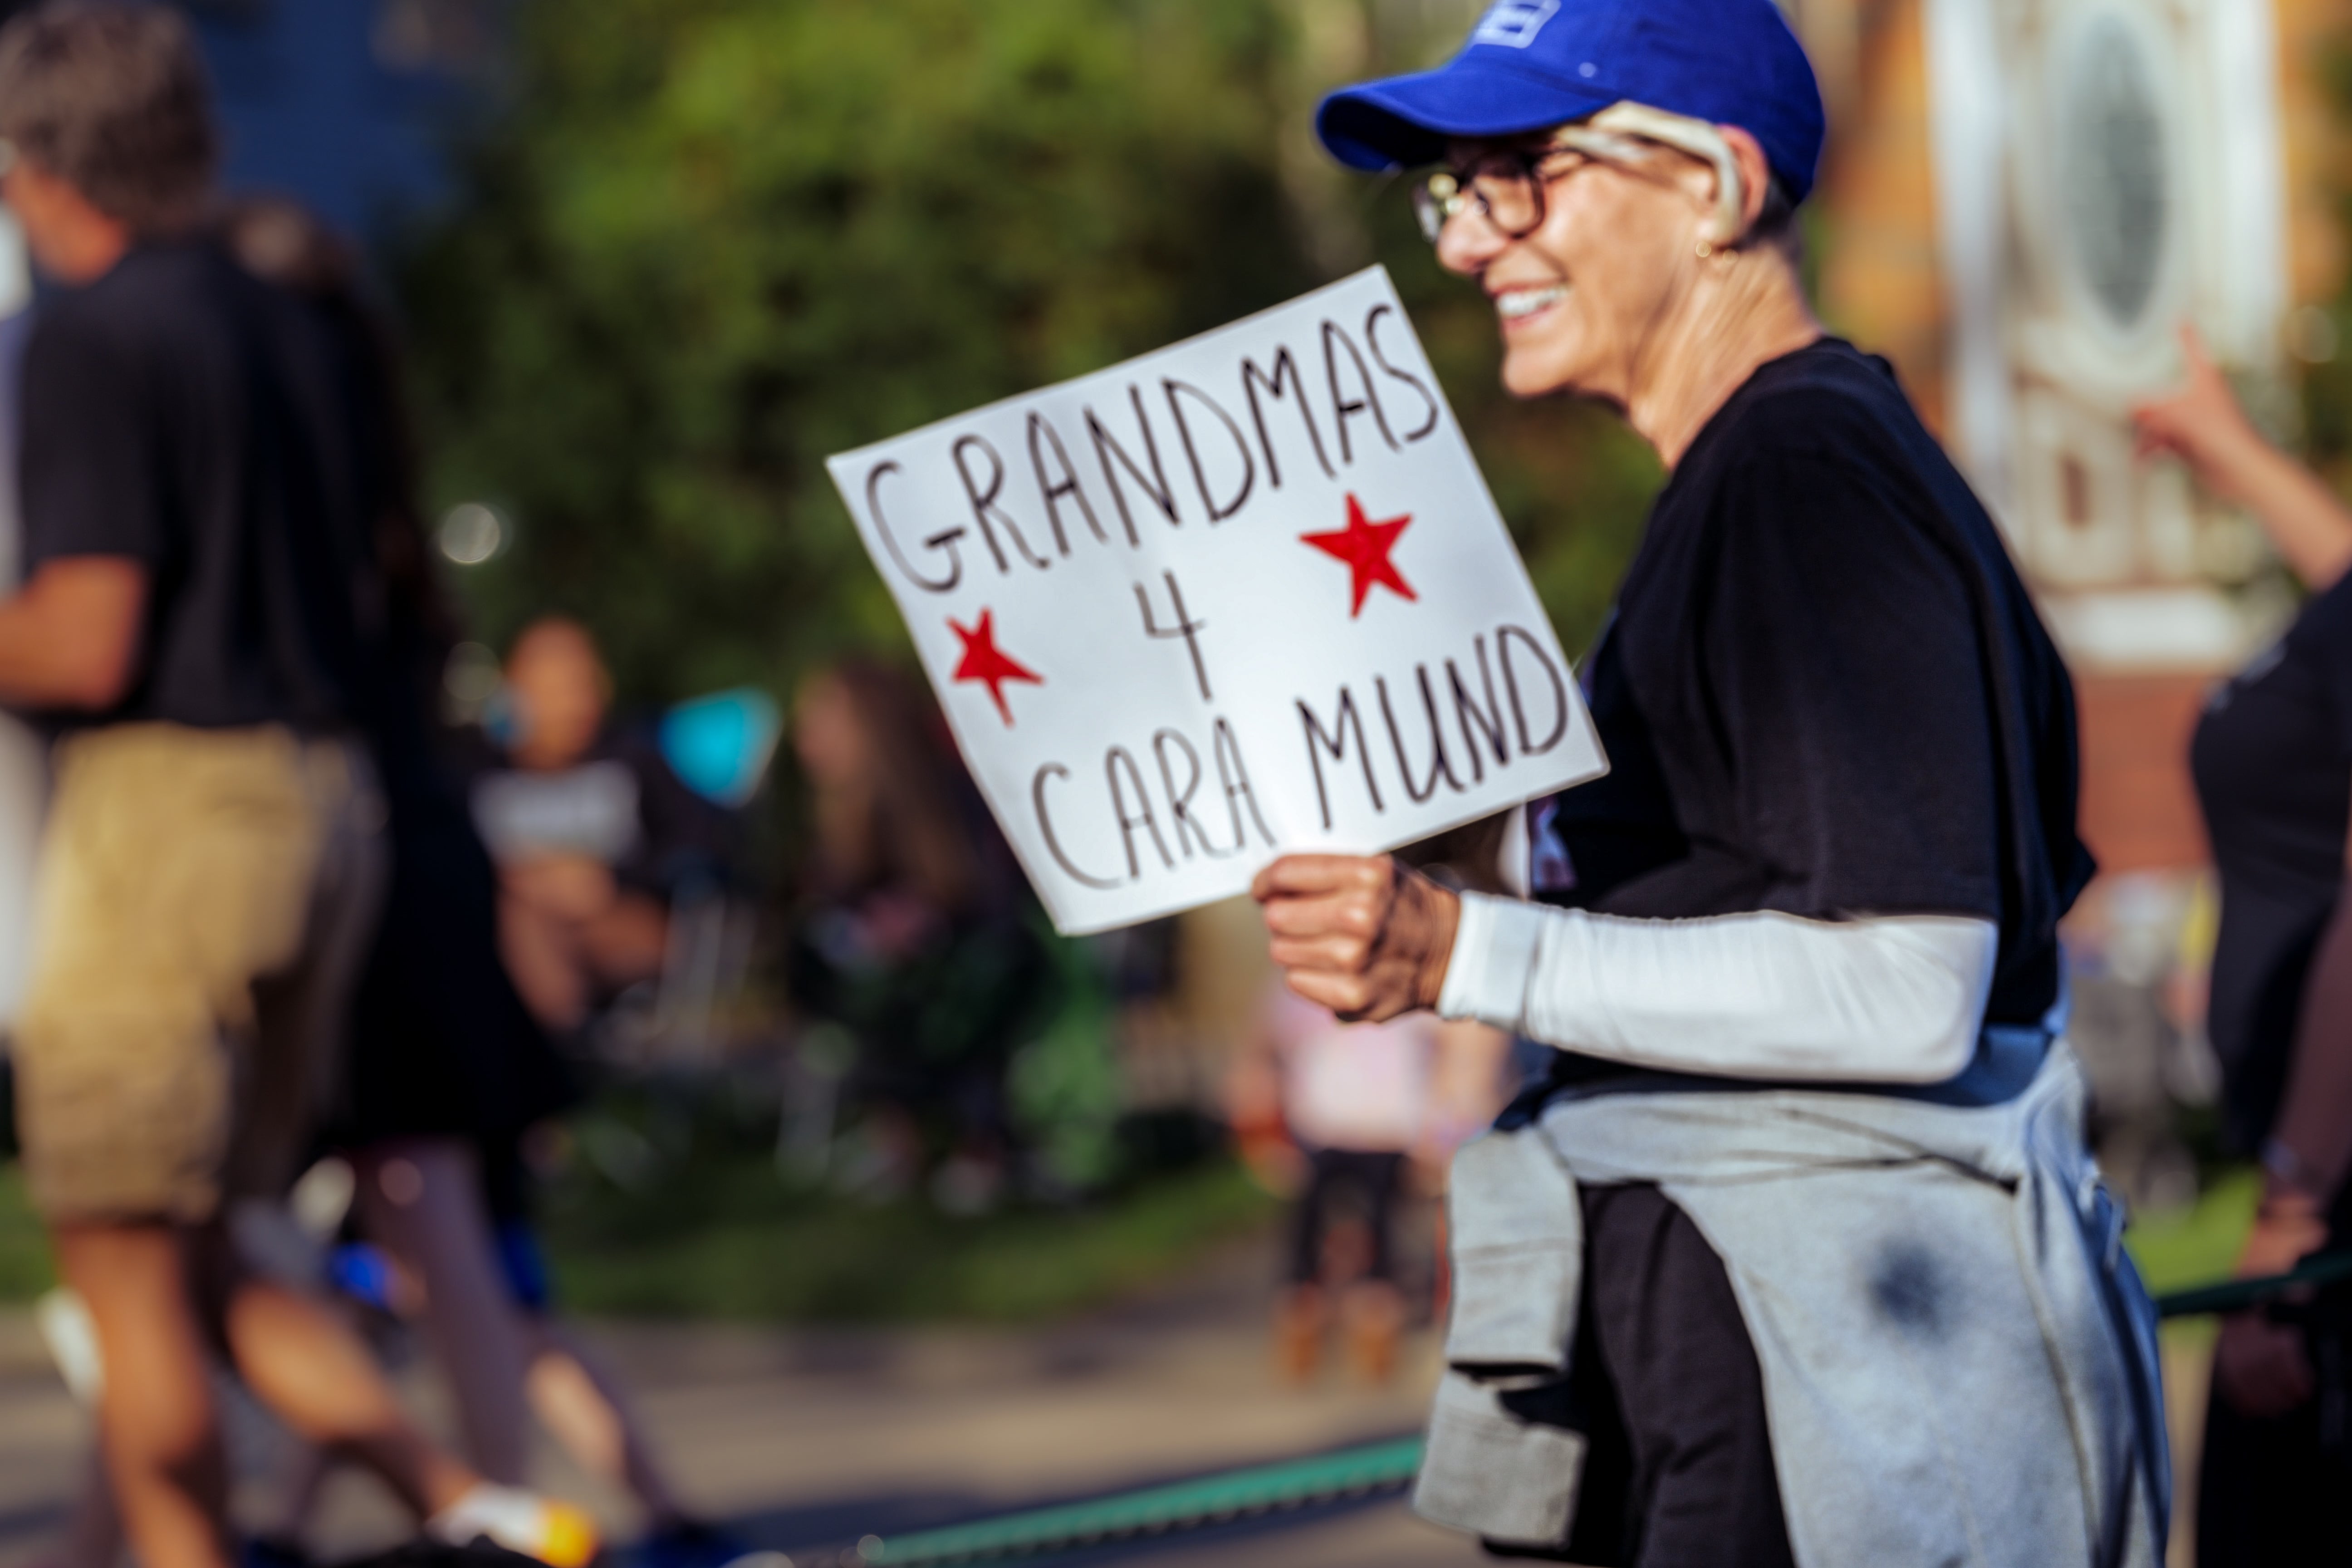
(1350, 1118)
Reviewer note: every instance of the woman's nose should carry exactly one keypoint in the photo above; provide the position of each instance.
(1468, 242)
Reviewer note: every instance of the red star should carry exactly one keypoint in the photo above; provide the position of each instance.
(984, 661)
(1364, 545)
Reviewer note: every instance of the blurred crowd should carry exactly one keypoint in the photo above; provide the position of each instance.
(320, 955)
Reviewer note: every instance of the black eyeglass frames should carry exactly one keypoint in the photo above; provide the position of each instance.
(1506, 187)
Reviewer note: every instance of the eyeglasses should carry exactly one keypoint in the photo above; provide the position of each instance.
(1508, 187)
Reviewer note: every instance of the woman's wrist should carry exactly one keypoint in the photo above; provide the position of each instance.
(1444, 916)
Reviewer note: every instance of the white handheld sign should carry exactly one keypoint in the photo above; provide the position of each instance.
(1243, 595)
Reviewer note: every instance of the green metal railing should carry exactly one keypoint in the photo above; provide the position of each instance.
(1351, 1472)
(1235, 1494)
(2237, 1295)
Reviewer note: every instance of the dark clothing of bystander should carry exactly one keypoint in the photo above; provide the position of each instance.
(211, 861)
(182, 413)
(441, 1044)
(2273, 760)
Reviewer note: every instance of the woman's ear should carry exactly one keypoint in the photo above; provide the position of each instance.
(1755, 172)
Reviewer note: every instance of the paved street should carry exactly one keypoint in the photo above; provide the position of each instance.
(806, 1437)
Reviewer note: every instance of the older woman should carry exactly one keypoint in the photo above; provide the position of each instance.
(1797, 1257)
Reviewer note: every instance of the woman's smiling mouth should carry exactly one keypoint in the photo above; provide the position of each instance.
(1515, 305)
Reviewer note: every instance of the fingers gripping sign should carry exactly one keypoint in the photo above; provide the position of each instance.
(1366, 936)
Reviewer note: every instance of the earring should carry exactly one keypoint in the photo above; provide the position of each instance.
(1705, 249)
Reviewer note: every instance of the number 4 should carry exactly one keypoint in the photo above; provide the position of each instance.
(1185, 627)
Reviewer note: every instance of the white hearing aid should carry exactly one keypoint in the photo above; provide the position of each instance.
(1604, 136)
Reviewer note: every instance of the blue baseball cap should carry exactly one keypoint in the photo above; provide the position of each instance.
(1533, 64)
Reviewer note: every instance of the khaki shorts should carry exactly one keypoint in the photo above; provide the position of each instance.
(204, 898)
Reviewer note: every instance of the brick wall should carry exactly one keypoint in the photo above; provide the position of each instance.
(2139, 811)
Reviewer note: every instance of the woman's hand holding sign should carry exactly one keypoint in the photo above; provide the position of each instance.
(1366, 936)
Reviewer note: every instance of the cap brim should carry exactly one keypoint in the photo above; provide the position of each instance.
(1407, 120)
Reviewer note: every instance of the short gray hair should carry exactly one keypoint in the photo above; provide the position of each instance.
(113, 100)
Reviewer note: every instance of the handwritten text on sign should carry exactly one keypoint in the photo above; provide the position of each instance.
(1242, 596)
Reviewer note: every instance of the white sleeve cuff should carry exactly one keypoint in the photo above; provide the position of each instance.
(1494, 961)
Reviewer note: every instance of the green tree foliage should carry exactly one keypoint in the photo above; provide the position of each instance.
(713, 241)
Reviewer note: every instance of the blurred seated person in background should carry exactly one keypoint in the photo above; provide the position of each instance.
(919, 941)
(1343, 1115)
(594, 836)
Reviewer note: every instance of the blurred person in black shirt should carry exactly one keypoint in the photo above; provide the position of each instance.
(191, 628)
(449, 1071)
(2273, 760)
(442, 1050)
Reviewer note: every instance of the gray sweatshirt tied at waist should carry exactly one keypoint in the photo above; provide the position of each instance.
(1959, 1360)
